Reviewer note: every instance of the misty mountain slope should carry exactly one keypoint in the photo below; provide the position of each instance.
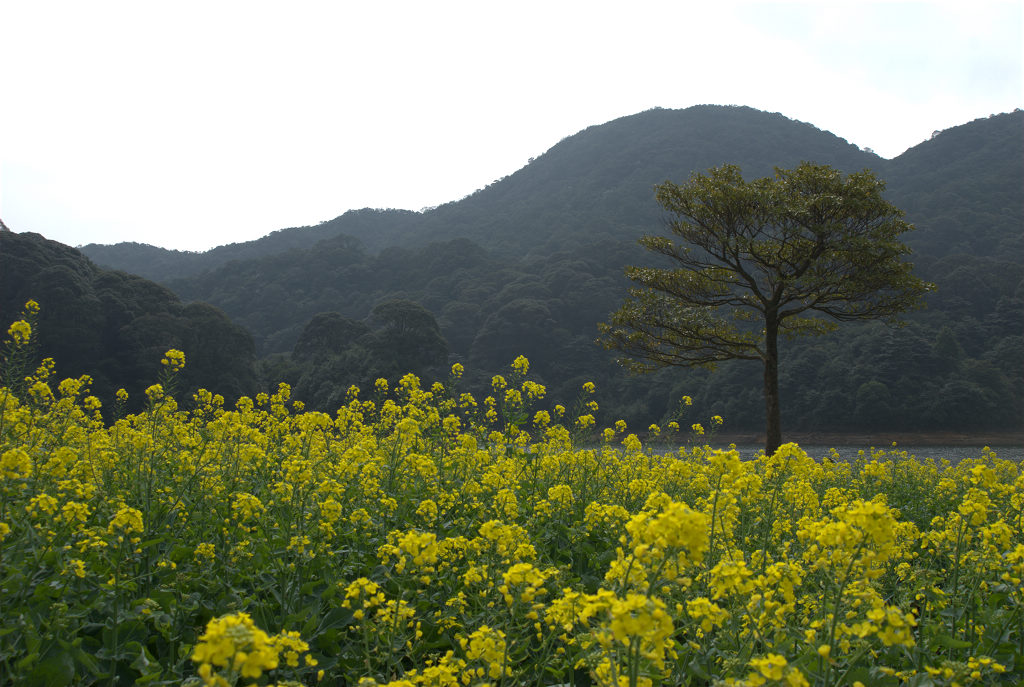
(964, 187)
(161, 264)
(531, 263)
(594, 185)
(599, 183)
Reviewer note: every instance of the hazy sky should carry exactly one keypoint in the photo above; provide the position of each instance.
(193, 124)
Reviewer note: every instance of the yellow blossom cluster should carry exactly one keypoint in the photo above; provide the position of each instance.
(233, 646)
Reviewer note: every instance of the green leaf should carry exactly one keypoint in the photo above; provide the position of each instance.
(336, 618)
(87, 661)
(874, 677)
(27, 661)
(56, 669)
(697, 669)
(952, 642)
(145, 664)
(153, 542)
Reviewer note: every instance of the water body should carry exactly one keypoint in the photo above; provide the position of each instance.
(954, 454)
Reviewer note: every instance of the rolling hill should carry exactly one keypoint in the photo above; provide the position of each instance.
(531, 263)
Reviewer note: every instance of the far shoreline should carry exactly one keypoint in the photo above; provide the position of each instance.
(876, 440)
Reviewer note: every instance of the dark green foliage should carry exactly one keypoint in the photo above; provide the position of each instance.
(220, 354)
(966, 181)
(328, 334)
(748, 262)
(116, 326)
(335, 352)
(559, 231)
(523, 326)
(406, 339)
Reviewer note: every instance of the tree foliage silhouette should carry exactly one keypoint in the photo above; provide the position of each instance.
(749, 261)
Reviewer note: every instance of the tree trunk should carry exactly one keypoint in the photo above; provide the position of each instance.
(772, 415)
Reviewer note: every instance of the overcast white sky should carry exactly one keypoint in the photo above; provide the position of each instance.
(193, 124)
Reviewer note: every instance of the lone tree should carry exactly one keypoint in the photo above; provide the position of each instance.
(753, 260)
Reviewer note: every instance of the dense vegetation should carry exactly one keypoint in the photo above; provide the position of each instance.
(421, 537)
(531, 263)
(115, 326)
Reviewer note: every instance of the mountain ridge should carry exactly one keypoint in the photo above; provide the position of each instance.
(530, 263)
(378, 228)
(369, 224)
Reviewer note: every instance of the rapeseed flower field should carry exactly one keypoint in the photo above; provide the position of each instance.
(418, 536)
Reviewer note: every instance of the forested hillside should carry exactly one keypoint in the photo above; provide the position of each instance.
(161, 264)
(531, 263)
(116, 326)
(592, 186)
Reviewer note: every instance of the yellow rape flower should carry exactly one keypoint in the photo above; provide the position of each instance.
(365, 593)
(204, 553)
(709, 614)
(246, 507)
(74, 511)
(521, 365)
(15, 463)
(421, 547)
(487, 646)
(637, 615)
(533, 390)
(768, 667)
(174, 360)
(20, 332)
(291, 646)
(126, 520)
(234, 642)
(427, 511)
(42, 503)
(731, 577)
(77, 567)
(506, 504)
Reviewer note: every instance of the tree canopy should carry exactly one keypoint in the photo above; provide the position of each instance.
(752, 260)
(334, 352)
(116, 327)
